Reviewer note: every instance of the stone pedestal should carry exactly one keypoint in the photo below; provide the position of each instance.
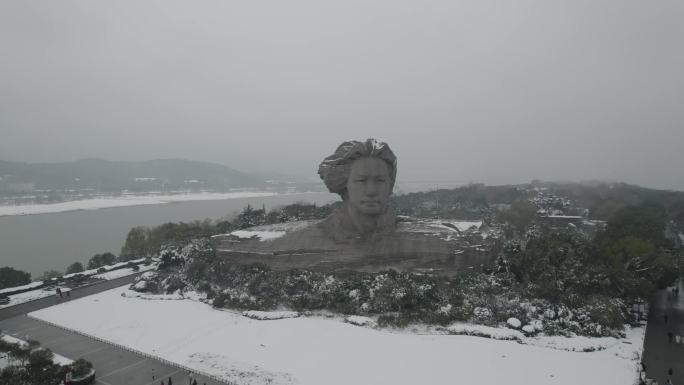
(420, 246)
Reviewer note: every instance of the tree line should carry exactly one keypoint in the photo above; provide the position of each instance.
(11, 277)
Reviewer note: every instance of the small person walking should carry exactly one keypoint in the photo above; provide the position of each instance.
(194, 382)
(170, 383)
(665, 317)
(669, 337)
(162, 382)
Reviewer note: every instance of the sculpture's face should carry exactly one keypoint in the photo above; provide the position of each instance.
(369, 186)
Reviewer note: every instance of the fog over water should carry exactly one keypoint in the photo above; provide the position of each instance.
(489, 91)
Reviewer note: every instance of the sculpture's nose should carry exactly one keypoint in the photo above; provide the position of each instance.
(371, 189)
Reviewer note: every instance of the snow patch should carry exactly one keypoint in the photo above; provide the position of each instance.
(108, 268)
(237, 372)
(149, 275)
(465, 225)
(485, 331)
(32, 295)
(573, 344)
(269, 315)
(514, 323)
(114, 274)
(361, 321)
(262, 235)
(56, 358)
(23, 287)
(123, 201)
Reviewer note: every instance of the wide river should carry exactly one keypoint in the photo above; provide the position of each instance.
(36, 243)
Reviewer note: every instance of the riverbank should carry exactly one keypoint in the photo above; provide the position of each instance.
(128, 200)
(37, 243)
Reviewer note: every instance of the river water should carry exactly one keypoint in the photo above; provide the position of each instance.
(36, 243)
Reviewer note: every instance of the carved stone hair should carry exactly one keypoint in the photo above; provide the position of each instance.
(335, 169)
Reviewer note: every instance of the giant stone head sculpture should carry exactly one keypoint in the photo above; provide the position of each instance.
(360, 234)
(336, 168)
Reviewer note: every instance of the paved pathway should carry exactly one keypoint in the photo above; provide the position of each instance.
(659, 354)
(114, 366)
(13, 311)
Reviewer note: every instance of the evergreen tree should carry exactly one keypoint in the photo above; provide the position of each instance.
(75, 267)
(10, 277)
(137, 245)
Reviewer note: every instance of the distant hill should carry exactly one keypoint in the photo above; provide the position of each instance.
(105, 176)
(595, 200)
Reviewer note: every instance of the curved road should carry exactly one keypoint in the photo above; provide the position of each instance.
(114, 366)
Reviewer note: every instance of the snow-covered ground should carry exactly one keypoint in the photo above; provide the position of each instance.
(262, 235)
(23, 287)
(318, 350)
(93, 272)
(114, 274)
(31, 295)
(121, 201)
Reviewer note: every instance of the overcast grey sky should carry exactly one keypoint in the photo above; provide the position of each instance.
(476, 90)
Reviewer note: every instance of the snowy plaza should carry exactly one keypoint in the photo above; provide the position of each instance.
(326, 350)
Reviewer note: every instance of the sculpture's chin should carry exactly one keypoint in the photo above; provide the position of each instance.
(372, 210)
(372, 213)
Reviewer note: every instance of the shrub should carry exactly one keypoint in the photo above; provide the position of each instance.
(81, 367)
(172, 284)
(608, 312)
(10, 277)
(219, 301)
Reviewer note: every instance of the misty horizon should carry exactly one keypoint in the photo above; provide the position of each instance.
(474, 92)
(303, 178)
